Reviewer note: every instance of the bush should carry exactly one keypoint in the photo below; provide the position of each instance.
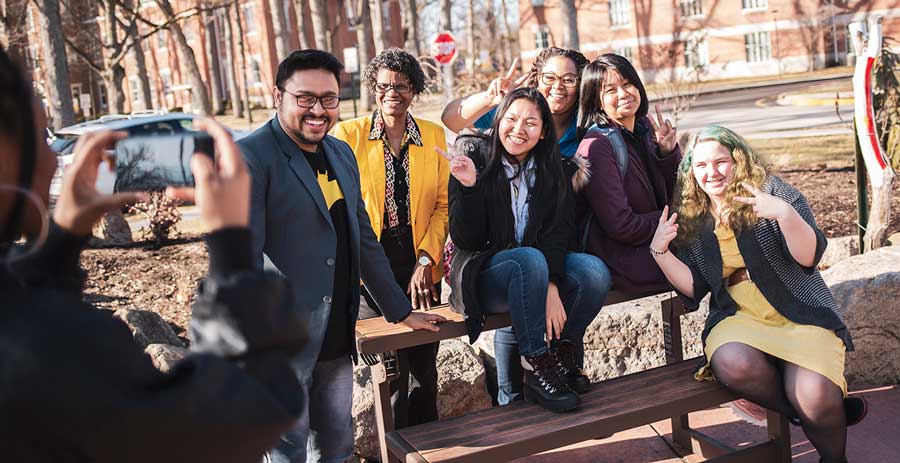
(162, 213)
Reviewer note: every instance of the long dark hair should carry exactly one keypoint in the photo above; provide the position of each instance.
(16, 124)
(591, 110)
(550, 185)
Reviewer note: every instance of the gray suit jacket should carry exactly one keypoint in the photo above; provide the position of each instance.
(294, 235)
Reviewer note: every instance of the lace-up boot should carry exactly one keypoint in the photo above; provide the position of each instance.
(544, 385)
(565, 353)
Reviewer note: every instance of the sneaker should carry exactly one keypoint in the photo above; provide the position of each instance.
(543, 384)
(564, 353)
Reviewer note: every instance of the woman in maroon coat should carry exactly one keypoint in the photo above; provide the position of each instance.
(625, 197)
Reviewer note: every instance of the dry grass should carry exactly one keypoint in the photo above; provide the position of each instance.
(830, 151)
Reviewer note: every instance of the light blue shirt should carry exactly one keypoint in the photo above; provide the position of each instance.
(519, 193)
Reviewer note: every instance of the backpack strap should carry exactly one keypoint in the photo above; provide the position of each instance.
(618, 144)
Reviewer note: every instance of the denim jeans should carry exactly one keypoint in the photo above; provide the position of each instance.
(324, 431)
(515, 281)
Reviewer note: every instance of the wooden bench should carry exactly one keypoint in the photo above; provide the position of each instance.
(520, 429)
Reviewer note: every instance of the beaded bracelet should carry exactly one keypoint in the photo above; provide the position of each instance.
(657, 253)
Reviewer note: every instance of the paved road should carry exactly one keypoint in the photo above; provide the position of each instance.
(755, 110)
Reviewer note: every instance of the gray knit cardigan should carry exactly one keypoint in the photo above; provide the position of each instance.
(796, 291)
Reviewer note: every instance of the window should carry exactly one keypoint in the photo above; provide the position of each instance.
(135, 86)
(691, 8)
(250, 18)
(758, 46)
(385, 15)
(619, 14)
(189, 32)
(101, 93)
(754, 4)
(161, 39)
(33, 56)
(625, 52)
(166, 76)
(255, 75)
(696, 54)
(541, 39)
(30, 19)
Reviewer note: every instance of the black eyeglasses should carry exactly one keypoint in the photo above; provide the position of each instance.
(399, 88)
(568, 80)
(309, 101)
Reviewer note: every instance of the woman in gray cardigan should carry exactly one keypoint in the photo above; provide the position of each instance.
(774, 333)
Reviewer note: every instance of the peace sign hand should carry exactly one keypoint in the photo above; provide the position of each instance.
(764, 204)
(665, 232)
(504, 84)
(461, 167)
(666, 136)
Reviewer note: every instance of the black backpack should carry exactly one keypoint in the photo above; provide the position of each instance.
(618, 144)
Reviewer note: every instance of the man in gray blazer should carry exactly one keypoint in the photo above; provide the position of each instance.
(309, 222)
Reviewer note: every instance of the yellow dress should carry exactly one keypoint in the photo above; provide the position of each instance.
(759, 325)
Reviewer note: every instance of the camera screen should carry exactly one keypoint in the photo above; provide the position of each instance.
(150, 163)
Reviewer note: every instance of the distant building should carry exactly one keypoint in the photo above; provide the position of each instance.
(169, 81)
(723, 38)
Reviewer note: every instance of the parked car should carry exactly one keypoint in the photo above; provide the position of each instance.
(63, 141)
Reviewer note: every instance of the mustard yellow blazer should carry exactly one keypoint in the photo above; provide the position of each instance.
(429, 173)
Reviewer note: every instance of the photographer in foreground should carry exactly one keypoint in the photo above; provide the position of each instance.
(74, 386)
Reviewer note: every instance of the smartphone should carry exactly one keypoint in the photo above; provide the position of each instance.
(153, 162)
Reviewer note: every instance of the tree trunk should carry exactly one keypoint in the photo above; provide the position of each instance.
(447, 25)
(246, 72)
(143, 75)
(570, 23)
(59, 92)
(470, 38)
(237, 106)
(377, 18)
(212, 61)
(507, 36)
(363, 36)
(279, 28)
(411, 27)
(113, 77)
(879, 214)
(301, 7)
(319, 11)
(199, 96)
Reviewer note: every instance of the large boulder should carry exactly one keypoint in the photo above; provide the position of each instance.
(838, 249)
(867, 289)
(164, 356)
(148, 328)
(461, 390)
(113, 229)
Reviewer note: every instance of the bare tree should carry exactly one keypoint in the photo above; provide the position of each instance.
(240, 28)
(570, 23)
(411, 26)
(237, 106)
(56, 64)
(470, 38)
(447, 25)
(199, 95)
(377, 17)
(212, 62)
(507, 39)
(142, 75)
(12, 30)
(319, 12)
(363, 35)
(301, 7)
(279, 28)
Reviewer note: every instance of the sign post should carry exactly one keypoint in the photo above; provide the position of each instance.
(443, 50)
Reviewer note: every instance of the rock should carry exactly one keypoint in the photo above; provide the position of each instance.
(627, 338)
(893, 240)
(461, 390)
(114, 229)
(839, 249)
(867, 289)
(148, 328)
(165, 356)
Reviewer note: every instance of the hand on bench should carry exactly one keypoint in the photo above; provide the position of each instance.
(423, 321)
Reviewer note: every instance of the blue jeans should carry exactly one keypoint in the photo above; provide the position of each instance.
(324, 431)
(515, 281)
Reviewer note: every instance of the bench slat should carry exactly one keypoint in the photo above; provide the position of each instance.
(508, 432)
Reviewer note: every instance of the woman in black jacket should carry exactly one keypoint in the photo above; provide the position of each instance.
(75, 387)
(512, 222)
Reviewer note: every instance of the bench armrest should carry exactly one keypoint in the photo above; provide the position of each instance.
(672, 309)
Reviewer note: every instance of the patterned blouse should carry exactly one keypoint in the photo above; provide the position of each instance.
(396, 170)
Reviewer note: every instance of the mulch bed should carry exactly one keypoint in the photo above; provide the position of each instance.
(163, 280)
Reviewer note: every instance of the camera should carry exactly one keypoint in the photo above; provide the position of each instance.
(153, 162)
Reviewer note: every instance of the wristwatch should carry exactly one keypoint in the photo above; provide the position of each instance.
(425, 261)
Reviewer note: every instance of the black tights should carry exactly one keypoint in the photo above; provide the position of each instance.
(790, 390)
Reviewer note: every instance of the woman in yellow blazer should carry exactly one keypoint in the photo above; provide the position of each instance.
(404, 185)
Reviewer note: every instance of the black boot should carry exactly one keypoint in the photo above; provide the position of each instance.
(544, 385)
(564, 353)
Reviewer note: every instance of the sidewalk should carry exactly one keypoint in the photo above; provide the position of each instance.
(872, 441)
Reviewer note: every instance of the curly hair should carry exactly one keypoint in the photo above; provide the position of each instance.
(545, 55)
(693, 204)
(397, 60)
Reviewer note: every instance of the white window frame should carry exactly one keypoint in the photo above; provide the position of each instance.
(541, 38)
(691, 8)
(165, 75)
(625, 52)
(619, 13)
(248, 14)
(754, 5)
(758, 47)
(134, 85)
(696, 48)
(162, 41)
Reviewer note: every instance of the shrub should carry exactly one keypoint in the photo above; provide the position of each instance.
(162, 214)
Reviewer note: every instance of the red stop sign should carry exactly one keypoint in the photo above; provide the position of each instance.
(443, 48)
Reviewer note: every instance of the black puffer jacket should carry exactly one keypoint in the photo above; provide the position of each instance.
(74, 386)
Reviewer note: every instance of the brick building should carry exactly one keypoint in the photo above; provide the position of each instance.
(169, 81)
(718, 38)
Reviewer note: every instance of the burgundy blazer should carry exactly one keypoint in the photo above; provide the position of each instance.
(626, 210)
